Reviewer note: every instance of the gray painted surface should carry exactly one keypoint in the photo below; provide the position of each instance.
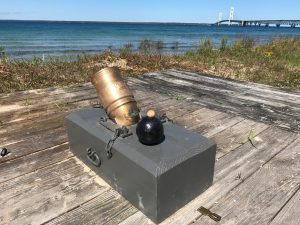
(158, 180)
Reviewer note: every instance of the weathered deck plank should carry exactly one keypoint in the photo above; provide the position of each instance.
(32, 162)
(257, 90)
(23, 117)
(236, 135)
(271, 187)
(44, 194)
(106, 208)
(42, 182)
(270, 106)
(290, 212)
(29, 144)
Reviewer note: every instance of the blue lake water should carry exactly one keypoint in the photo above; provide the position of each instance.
(25, 39)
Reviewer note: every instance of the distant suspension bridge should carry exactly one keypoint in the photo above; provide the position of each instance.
(265, 23)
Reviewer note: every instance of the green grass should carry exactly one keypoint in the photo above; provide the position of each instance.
(295, 60)
(276, 63)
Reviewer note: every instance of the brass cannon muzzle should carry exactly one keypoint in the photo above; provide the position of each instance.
(115, 96)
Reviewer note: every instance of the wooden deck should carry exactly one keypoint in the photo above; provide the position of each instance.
(255, 182)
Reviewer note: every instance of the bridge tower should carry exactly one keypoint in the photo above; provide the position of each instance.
(220, 18)
(231, 14)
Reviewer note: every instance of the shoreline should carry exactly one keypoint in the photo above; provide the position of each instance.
(276, 63)
(166, 49)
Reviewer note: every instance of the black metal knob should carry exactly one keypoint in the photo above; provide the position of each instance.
(150, 130)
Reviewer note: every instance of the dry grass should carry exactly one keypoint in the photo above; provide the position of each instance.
(276, 63)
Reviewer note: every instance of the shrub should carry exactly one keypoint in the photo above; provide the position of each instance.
(206, 47)
(126, 50)
(223, 45)
(175, 45)
(159, 45)
(145, 46)
(110, 48)
(2, 53)
(149, 46)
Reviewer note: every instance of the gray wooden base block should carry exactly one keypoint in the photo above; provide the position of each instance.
(159, 179)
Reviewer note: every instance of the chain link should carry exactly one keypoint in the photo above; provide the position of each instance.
(119, 132)
(111, 143)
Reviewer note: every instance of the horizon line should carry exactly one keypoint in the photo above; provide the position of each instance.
(99, 21)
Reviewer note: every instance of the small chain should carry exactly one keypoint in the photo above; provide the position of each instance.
(124, 132)
(111, 143)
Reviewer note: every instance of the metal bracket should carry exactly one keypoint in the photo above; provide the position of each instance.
(3, 152)
(164, 118)
(103, 119)
(97, 105)
(93, 157)
(207, 212)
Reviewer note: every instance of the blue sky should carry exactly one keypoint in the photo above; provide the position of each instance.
(147, 10)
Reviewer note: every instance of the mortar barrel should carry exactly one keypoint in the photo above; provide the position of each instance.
(116, 97)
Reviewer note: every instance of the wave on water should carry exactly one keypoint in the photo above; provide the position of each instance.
(26, 39)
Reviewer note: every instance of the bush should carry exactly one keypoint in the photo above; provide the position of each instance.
(175, 46)
(244, 44)
(159, 45)
(149, 46)
(145, 46)
(206, 47)
(126, 50)
(223, 45)
(2, 53)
